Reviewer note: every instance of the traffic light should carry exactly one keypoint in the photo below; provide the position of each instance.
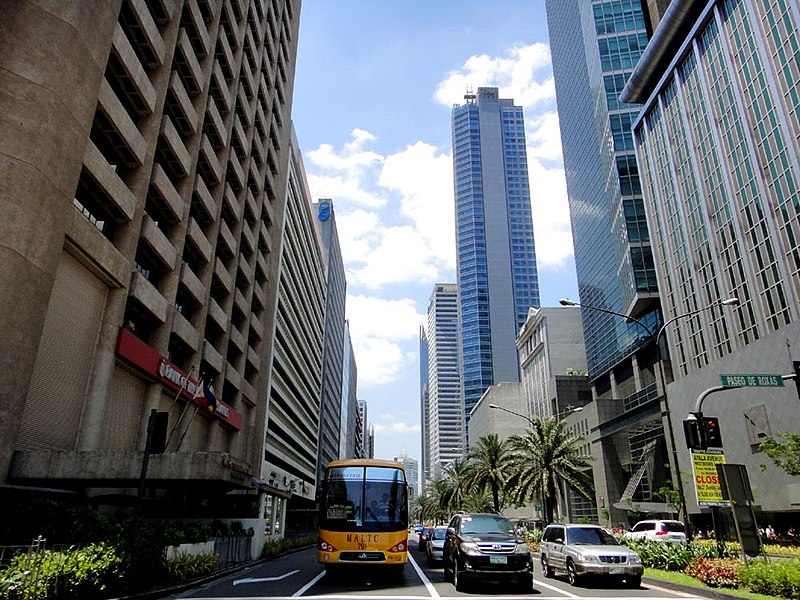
(713, 436)
(695, 432)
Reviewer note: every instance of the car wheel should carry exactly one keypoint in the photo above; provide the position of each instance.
(547, 570)
(459, 579)
(635, 582)
(572, 573)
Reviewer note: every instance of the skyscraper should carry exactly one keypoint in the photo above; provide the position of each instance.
(424, 404)
(445, 430)
(331, 430)
(496, 256)
(595, 46)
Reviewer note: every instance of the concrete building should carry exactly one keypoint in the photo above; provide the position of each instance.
(350, 445)
(595, 46)
(552, 362)
(331, 432)
(412, 473)
(720, 164)
(293, 418)
(144, 158)
(446, 435)
(495, 251)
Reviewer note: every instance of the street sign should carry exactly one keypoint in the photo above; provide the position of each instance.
(706, 481)
(762, 380)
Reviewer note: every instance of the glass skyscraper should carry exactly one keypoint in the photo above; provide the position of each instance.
(496, 256)
(595, 46)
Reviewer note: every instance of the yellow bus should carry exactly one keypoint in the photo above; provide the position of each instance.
(363, 515)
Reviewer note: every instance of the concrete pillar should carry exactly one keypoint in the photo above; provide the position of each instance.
(52, 59)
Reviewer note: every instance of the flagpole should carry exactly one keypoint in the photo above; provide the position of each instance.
(184, 383)
(183, 412)
(185, 431)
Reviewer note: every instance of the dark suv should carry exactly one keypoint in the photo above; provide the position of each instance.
(484, 546)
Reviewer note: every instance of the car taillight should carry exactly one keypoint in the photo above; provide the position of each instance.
(661, 532)
(325, 546)
(399, 546)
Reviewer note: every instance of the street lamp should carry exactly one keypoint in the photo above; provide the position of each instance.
(656, 337)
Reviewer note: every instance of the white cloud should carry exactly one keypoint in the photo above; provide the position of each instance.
(397, 428)
(514, 74)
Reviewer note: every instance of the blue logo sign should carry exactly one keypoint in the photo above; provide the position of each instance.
(324, 210)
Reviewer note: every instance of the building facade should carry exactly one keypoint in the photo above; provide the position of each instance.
(445, 427)
(552, 361)
(717, 142)
(595, 47)
(331, 431)
(424, 407)
(351, 444)
(495, 252)
(146, 152)
(411, 466)
(293, 419)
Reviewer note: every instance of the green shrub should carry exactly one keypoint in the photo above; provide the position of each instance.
(95, 571)
(779, 578)
(275, 547)
(715, 572)
(675, 557)
(190, 566)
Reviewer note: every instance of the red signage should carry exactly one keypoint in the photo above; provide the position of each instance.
(146, 359)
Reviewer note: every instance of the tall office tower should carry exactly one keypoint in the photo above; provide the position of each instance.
(496, 256)
(330, 430)
(720, 159)
(293, 420)
(362, 418)
(446, 422)
(595, 46)
(144, 158)
(412, 472)
(350, 445)
(424, 405)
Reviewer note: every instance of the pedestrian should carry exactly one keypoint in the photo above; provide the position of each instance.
(770, 532)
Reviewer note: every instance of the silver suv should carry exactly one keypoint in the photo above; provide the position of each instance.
(588, 550)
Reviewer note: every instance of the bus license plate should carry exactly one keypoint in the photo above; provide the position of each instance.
(498, 560)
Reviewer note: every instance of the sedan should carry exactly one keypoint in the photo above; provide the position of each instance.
(423, 537)
(435, 544)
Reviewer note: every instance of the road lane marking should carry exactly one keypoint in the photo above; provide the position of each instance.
(431, 590)
(553, 588)
(307, 586)
(260, 579)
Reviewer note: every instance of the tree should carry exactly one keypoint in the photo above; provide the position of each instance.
(785, 454)
(487, 467)
(544, 457)
(453, 487)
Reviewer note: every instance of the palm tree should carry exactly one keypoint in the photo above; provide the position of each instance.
(454, 486)
(487, 466)
(542, 458)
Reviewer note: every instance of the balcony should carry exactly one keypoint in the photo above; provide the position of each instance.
(244, 276)
(256, 327)
(220, 86)
(268, 213)
(196, 28)
(264, 240)
(143, 32)
(193, 285)
(187, 66)
(209, 165)
(171, 203)
(243, 108)
(180, 107)
(118, 128)
(162, 248)
(232, 376)
(249, 393)
(216, 314)
(240, 302)
(109, 190)
(130, 75)
(214, 126)
(149, 297)
(222, 274)
(212, 357)
(199, 240)
(235, 169)
(248, 239)
(226, 239)
(237, 339)
(204, 201)
(185, 331)
(239, 138)
(174, 151)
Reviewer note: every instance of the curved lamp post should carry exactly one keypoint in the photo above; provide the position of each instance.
(656, 337)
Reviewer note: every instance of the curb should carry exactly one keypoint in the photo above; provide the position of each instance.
(182, 587)
(690, 589)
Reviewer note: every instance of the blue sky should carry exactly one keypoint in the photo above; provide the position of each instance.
(375, 83)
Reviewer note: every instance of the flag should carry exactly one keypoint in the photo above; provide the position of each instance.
(211, 399)
(206, 392)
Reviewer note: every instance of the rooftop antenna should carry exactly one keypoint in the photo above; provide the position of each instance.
(470, 95)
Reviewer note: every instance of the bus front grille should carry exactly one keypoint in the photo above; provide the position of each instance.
(362, 557)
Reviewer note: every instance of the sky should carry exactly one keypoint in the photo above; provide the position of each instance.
(374, 87)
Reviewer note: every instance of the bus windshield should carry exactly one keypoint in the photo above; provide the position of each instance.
(362, 498)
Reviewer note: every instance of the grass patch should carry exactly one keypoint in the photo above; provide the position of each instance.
(676, 577)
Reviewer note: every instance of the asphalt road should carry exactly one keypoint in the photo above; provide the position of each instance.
(299, 574)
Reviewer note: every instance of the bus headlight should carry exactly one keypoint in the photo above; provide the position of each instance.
(325, 546)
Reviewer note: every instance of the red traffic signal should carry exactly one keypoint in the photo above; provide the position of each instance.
(713, 435)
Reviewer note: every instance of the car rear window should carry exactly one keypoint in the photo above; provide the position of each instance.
(672, 527)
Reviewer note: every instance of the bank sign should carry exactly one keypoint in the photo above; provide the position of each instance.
(706, 481)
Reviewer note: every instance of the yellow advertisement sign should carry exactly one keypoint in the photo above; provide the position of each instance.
(706, 480)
